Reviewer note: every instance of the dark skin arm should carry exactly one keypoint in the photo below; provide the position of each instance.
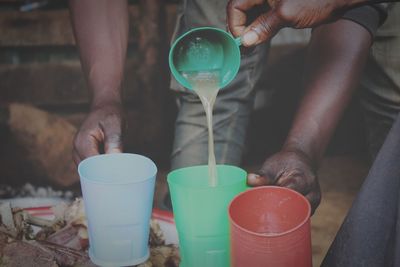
(285, 13)
(101, 32)
(336, 56)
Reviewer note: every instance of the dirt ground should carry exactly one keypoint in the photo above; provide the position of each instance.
(340, 178)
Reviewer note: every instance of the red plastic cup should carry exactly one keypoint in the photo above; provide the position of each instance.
(270, 226)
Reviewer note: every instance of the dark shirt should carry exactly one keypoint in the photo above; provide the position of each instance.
(368, 16)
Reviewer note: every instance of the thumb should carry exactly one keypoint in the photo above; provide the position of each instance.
(112, 140)
(262, 29)
(254, 179)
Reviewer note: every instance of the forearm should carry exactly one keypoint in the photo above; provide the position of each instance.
(336, 56)
(101, 32)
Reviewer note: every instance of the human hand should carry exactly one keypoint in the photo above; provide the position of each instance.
(282, 13)
(291, 169)
(101, 130)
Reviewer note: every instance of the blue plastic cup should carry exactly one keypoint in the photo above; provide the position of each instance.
(118, 194)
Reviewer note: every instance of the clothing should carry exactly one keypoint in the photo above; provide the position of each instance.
(370, 233)
(369, 16)
(380, 84)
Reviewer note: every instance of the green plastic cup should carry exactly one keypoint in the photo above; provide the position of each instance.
(201, 213)
(202, 50)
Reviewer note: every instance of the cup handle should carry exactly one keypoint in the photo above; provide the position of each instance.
(238, 41)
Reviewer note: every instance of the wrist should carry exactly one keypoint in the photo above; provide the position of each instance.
(107, 98)
(302, 149)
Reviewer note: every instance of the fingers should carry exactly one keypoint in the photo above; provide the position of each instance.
(85, 146)
(236, 14)
(112, 139)
(101, 131)
(254, 179)
(273, 3)
(263, 28)
(298, 183)
(111, 127)
(295, 180)
(314, 197)
(76, 158)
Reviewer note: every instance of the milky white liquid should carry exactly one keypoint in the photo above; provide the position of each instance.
(206, 85)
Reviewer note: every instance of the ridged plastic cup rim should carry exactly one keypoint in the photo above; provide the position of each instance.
(271, 234)
(203, 186)
(93, 181)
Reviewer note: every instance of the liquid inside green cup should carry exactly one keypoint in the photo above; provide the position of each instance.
(205, 49)
(201, 215)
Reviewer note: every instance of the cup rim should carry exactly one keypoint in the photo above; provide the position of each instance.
(301, 224)
(90, 180)
(202, 187)
(174, 71)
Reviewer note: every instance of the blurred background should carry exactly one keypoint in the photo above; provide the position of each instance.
(43, 100)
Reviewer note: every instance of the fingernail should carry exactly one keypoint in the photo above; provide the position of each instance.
(250, 38)
(253, 176)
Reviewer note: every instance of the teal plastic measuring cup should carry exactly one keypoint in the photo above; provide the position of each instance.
(202, 50)
(201, 213)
